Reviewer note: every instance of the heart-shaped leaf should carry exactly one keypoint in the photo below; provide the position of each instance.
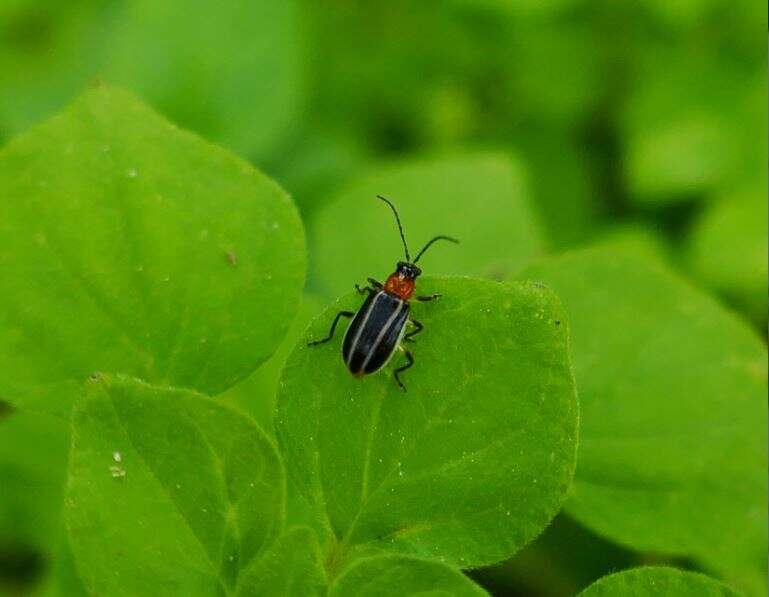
(466, 466)
(129, 245)
(168, 492)
(657, 580)
(672, 387)
(126, 245)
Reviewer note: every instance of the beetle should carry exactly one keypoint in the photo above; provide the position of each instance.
(378, 328)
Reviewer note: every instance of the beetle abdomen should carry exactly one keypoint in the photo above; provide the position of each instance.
(374, 333)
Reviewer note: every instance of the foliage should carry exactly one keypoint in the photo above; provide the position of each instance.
(727, 248)
(164, 53)
(603, 166)
(393, 575)
(472, 461)
(478, 198)
(105, 226)
(653, 580)
(672, 388)
(162, 475)
(108, 204)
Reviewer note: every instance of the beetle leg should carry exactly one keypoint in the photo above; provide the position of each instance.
(375, 286)
(429, 297)
(347, 314)
(409, 363)
(419, 327)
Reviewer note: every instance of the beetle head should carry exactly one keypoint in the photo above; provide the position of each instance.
(408, 270)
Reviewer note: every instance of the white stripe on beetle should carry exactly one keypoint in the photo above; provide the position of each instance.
(354, 344)
(382, 332)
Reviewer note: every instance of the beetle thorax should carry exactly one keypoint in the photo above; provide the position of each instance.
(400, 285)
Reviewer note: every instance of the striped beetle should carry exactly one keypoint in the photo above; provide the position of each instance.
(379, 326)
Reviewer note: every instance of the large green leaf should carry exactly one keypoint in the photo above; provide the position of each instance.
(472, 461)
(660, 581)
(229, 70)
(479, 198)
(168, 491)
(673, 393)
(394, 575)
(129, 245)
(126, 245)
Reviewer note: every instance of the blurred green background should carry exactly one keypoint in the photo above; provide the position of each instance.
(641, 120)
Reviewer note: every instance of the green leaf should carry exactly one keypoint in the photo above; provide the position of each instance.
(657, 580)
(395, 575)
(168, 491)
(673, 395)
(727, 249)
(472, 461)
(107, 206)
(129, 245)
(231, 71)
(479, 198)
(292, 567)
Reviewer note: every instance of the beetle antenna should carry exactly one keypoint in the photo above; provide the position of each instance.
(437, 238)
(400, 228)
